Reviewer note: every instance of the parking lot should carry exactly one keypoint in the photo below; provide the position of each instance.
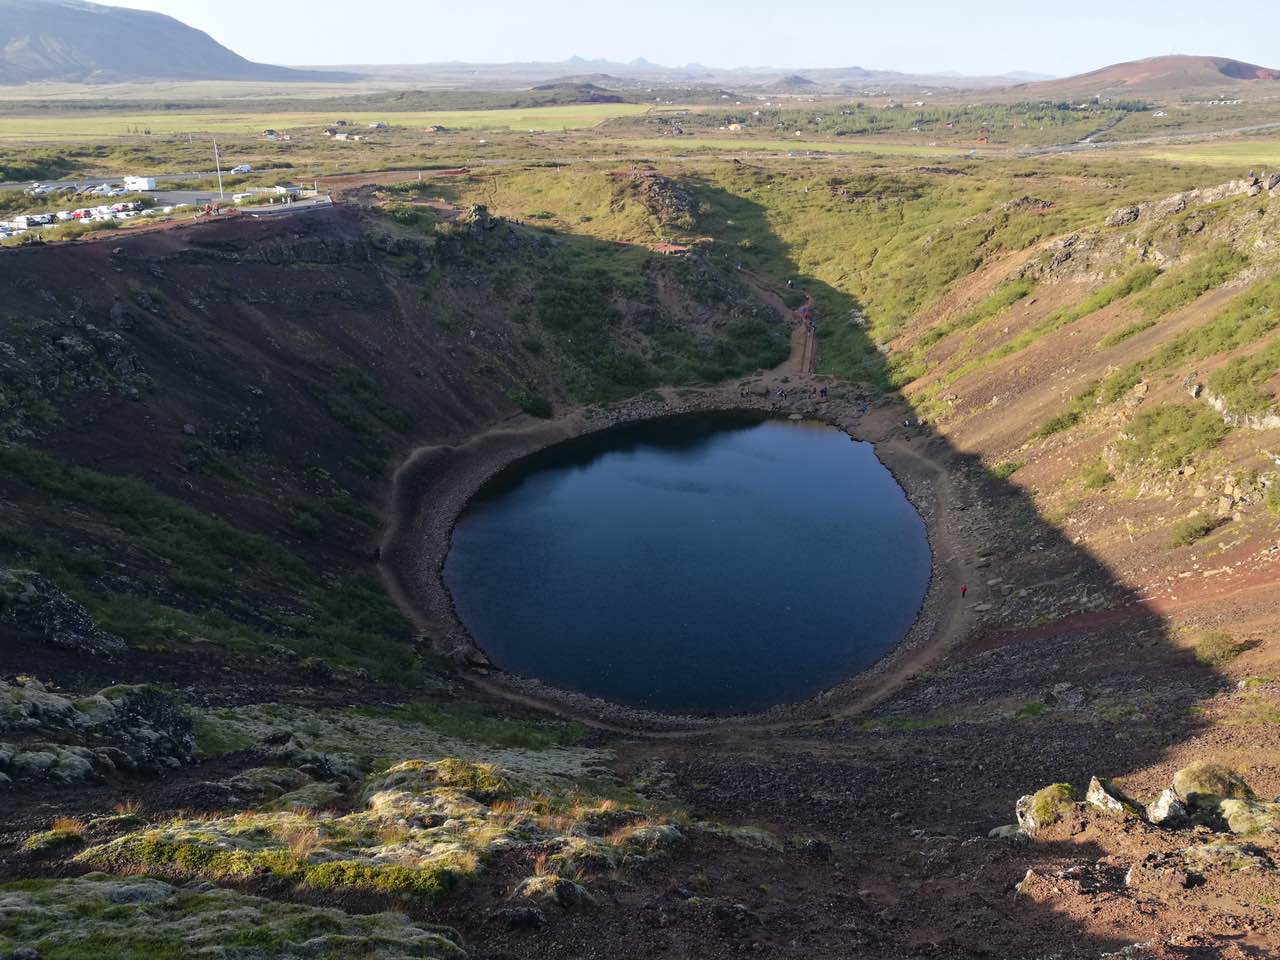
(67, 201)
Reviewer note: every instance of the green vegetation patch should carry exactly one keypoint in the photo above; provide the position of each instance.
(1126, 333)
(216, 566)
(1179, 287)
(1245, 383)
(425, 827)
(64, 834)
(539, 752)
(102, 916)
(463, 721)
(1081, 404)
(1247, 319)
(1190, 529)
(1052, 803)
(1171, 435)
(1216, 648)
(1005, 296)
(1096, 474)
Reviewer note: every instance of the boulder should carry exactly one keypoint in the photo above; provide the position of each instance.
(1222, 855)
(134, 729)
(553, 890)
(1203, 786)
(1247, 817)
(1167, 810)
(1046, 806)
(1010, 831)
(1124, 216)
(1107, 797)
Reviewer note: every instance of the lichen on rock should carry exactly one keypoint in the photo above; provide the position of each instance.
(129, 729)
(1203, 786)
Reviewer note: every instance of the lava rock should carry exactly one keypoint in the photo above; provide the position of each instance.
(39, 610)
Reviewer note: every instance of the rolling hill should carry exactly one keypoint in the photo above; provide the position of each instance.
(70, 41)
(1171, 76)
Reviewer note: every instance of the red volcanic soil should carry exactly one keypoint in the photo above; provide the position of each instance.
(1154, 76)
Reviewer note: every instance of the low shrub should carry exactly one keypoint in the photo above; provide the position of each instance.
(1171, 435)
(534, 404)
(1216, 648)
(1190, 529)
(1095, 474)
(65, 832)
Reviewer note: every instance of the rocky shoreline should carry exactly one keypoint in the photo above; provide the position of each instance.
(435, 484)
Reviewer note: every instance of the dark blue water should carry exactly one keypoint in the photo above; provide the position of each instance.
(715, 564)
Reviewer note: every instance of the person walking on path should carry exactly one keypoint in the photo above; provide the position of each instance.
(964, 591)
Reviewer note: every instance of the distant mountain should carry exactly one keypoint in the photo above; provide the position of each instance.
(69, 41)
(641, 74)
(792, 83)
(1162, 77)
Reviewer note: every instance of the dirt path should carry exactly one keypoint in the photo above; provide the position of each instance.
(807, 327)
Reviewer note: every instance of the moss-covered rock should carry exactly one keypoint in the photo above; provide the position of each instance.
(101, 916)
(312, 797)
(1227, 857)
(52, 737)
(551, 890)
(350, 742)
(1248, 817)
(424, 828)
(1046, 806)
(59, 838)
(1203, 786)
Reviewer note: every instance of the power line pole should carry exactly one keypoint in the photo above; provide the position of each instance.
(217, 160)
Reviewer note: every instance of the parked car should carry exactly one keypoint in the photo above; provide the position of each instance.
(243, 168)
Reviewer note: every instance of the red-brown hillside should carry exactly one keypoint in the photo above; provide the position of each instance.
(1160, 77)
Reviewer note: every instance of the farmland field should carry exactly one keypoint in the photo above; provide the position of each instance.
(1252, 152)
(80, 125)
(702, 144)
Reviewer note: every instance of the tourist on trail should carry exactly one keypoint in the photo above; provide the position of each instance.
(964, 591)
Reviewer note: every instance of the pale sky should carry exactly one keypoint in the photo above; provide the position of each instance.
(926, 36)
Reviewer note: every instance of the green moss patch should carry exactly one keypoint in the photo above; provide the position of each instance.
(1206, 785)
(1052, 803)
(424, 828)
(100, 916)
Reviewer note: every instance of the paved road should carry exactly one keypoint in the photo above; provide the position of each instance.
(1204, 136)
